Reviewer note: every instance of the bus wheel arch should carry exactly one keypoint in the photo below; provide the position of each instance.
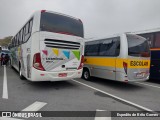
(86, 74)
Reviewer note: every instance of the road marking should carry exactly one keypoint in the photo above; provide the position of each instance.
(98, 114)
(6, 118)
(35, 106)
(5, 89)
(115, 97)
(148, 85)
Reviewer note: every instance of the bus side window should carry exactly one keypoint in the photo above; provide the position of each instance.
(109, 47)
(30, 25)
(118, 47)
(15, 40)
(28, 30)
(157, 40)
(86, 50)
(18, 39)
(23, 35)
(92, 48)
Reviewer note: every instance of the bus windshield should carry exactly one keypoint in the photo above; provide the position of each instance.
(137, 46)
(5, 51)
(61, 24)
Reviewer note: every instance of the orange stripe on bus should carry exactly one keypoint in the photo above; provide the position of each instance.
(155, 49)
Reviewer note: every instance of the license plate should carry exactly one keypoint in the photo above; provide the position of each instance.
(62, 75)
(139, 75)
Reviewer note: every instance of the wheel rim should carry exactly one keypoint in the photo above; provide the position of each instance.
(86, 75)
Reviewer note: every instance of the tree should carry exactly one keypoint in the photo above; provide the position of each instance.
(5, 41)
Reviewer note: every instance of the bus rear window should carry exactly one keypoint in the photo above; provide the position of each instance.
(61, 24)
(137, 46)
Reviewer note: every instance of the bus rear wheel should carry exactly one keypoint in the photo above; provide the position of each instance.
(86, 74)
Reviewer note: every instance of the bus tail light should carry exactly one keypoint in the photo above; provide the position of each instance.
(126, 81)
(37, 62)
(145, 54)
(125, 65)
(42, 11)
(81, 63)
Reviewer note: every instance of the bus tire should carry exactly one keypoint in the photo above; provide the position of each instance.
(86, 74)
(20, 73)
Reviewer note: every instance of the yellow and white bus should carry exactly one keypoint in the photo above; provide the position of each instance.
(49, 47)
(123, 57)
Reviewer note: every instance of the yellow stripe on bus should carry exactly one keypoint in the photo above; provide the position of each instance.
(117, 62)
(154, 49)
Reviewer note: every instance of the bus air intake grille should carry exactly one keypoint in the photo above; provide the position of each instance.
(61, 44)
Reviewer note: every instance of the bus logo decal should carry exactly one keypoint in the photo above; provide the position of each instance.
(67, 54)
(55, 51)
(76, 53)
(45, 52)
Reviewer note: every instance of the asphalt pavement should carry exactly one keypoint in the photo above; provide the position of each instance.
(77, 95)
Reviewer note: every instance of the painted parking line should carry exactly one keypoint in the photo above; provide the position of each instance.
(116, 97)
(35, 106)
(5, 89)
(98, 115)
(148, 85)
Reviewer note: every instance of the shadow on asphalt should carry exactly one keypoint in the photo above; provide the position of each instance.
(69, 85)
(48, 85)
(154, 81)
(117, 85)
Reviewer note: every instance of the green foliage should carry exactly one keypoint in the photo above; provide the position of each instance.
(5, 41)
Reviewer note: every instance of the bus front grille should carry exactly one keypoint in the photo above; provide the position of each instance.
(61, 44)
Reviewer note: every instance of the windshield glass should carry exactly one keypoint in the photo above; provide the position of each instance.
(5, 51)
(60, 24)
(137, 46)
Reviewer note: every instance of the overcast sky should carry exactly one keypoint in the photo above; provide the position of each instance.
(100, 17)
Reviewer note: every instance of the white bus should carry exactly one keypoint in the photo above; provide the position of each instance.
(49, 47)
(123, 57)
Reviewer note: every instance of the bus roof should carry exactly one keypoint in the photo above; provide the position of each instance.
(110, 36)
(40, 11)
(146, 31)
